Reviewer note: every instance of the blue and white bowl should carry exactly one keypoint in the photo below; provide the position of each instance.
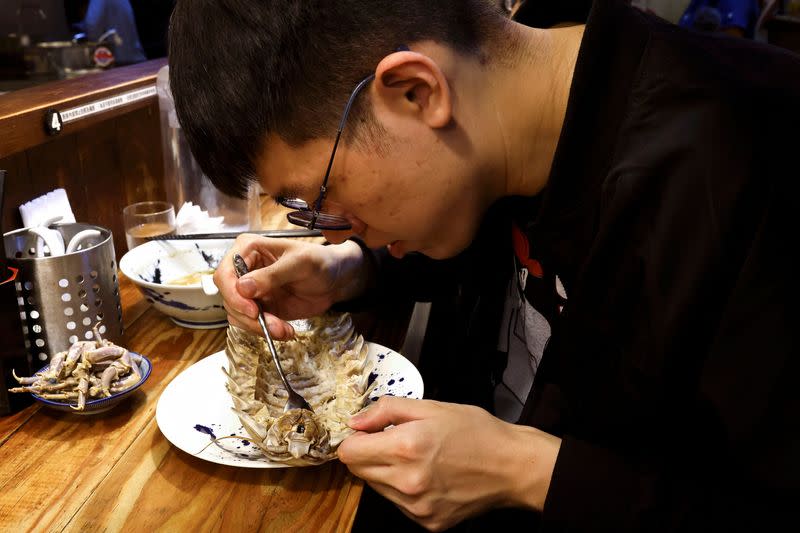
(101, 404)
(153, 265)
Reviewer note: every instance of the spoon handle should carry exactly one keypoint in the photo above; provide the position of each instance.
(241, 269)
(294, 399)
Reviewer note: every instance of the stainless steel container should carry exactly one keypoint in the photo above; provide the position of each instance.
(66, 54)
(68, 58)
(60, 298)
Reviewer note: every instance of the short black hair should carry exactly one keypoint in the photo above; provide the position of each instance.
(243, 69)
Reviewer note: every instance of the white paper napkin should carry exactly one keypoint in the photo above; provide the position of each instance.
(191, 219)
(45, 207)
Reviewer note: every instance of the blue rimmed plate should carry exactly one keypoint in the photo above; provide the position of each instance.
(101, 404)
(196, 407)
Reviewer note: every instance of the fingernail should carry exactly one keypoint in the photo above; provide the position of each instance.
(247, 287)
(359, 416)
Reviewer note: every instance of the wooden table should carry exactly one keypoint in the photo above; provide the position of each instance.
(115, 471)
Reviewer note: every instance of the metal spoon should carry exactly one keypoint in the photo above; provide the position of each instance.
(295, 401)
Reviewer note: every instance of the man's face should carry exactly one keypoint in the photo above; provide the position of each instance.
(419, 192)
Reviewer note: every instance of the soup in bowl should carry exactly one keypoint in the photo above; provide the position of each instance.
(170, 275)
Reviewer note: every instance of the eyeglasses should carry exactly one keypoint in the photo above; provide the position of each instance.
(313, 218)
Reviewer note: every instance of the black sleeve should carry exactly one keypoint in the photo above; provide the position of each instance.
(734, 464)
(676, 389)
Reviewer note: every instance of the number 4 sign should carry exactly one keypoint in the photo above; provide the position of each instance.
(53, 124)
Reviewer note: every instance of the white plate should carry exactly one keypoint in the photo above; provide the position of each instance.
(196, 405)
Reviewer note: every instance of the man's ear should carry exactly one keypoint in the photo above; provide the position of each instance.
(412, 83)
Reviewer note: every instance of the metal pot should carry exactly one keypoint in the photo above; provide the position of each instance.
(66, 55)
(69, 57)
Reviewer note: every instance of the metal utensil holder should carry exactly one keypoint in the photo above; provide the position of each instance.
(61, 298)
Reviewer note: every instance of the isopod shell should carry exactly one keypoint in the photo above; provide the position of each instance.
(326, 363)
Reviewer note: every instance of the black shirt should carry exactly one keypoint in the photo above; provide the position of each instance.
(672, 374)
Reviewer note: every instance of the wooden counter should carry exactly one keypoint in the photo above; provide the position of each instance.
(22, 111)
(104, 161)
(115, 471)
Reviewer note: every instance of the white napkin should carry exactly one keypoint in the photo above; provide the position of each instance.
(191, 219)
(45, 207)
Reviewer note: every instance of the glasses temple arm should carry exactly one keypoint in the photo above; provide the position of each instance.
(350, 101)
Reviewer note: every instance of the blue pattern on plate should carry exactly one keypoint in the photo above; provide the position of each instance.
(237, 449)
(390, 384)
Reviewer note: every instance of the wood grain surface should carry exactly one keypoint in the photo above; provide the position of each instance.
(114, 163)
(115, 471)
(22, 112)
(104, 161)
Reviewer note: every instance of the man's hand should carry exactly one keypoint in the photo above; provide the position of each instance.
(442, 463)
(291, 279)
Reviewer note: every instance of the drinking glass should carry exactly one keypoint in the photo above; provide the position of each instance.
(147, 219)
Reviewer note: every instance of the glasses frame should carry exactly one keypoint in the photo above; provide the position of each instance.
(314, 218)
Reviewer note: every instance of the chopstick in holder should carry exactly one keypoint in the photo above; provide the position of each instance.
(275, 233)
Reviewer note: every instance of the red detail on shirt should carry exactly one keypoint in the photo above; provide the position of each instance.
(522, 250)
